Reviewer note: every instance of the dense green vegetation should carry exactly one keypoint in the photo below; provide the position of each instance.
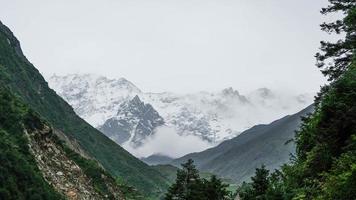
(168, 171)
(190, 186)
(19, 176)
(129, 192)
(24, 80)
(325, 163)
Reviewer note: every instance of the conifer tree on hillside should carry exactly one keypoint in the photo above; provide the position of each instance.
(335, 58)
(215, 189)
(260, 181)
(189, 186)
(258, 187)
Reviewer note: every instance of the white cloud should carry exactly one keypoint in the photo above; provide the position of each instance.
(167, 141)
(166, 45)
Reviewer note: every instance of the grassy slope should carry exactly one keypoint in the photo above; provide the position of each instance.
(17, 73)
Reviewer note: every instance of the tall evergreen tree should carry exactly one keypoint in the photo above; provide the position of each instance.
(340, 53)
(260, 182)
(188, 185)
(215, 189)
(257, 189)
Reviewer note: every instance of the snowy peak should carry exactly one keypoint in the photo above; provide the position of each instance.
(94, 98)
(88, 81)
(134, 106)
(265, 93)
(128, 115)
(134, 122)
(230, 92)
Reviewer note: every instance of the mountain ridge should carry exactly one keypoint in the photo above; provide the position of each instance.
(237, 158)
(25, 81)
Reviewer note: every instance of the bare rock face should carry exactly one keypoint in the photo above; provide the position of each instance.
(62, 172)
(133, 123)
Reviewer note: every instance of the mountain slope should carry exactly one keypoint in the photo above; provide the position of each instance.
(156, 159)
(237, 158)
(24, 80)
(20, 177)
(35, 164)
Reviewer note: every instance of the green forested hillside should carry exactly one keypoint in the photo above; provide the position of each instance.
(23, 169)
(19, 175)
(325, 164)
(24, 80)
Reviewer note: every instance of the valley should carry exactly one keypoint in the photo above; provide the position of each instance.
(177, 100)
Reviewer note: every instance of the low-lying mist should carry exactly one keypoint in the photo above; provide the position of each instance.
(166, 141)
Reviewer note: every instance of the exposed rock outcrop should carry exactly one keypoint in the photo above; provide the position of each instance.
(134, 122)
(60, 171)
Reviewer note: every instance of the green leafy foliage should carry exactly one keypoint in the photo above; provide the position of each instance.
(19, 176)
(189, 186)
(265, 186)
(260, 181)
(130, 193)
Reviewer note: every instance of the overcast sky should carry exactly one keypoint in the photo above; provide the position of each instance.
(174, 45)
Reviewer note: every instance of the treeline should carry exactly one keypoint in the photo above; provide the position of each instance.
(324, 166)
(190, 186)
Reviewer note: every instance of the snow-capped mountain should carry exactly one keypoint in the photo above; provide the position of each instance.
(213, 116)
(94, 98)
(134, 122)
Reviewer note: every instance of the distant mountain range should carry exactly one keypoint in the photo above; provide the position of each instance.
(236, 159)
(127, 115)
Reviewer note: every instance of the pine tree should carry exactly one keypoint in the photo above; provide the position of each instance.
(188, 185)
(340, 53)
(215, 189)
(260, 182)
(257, 189)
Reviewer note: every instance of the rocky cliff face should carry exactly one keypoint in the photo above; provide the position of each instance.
(63, 173)
(134, 122)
